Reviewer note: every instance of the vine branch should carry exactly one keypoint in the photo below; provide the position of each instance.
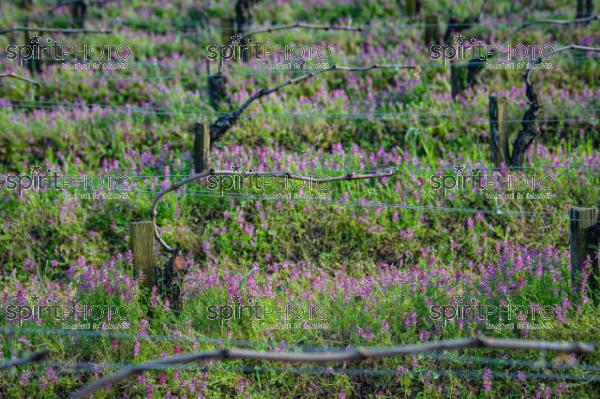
(341, 356)
(52, 30)
(288, 175)
(32, 357)
(72, 2)
(304, 26)
(226, 122)
(575, 21)
(14, 76)
(530, 130)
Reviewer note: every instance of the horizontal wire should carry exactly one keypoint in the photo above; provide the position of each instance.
(303, 199)
(215, 113)
(202, 76)
(403, 18)
(361, 203)
(379, 21)
(307, 172)
(463, 359)
(276, 71)
(108, 78)
(497, 212)
(83, 367)
(397, 167)
(119, 335)
(492, 361)
(182, 339)
(286, 115)
(379, 25)
(282, 71)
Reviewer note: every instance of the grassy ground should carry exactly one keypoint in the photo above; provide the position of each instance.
(371, 271)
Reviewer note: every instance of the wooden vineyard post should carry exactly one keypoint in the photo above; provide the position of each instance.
(142, 246)
(458, 77)
(498, 134)
(32, 42)
(78, 12)
(217, 87)
(585, 8)
(584, 243)
(580, 9)
(26, 4)
(412, 7)
(201, 147)
(432, 29)
(227, 29)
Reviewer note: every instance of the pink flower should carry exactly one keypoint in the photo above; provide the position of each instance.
(410, 320)
(562, 388)
(249, 229)
(337, 148)
(487, 379)
(24, 378)
(365, 333)
(470, 223)
(51, 375)
(154, 298)
(29, 264)
(386, 325)
(424, 335)
(136, 348)
(143, 331)
(242, 385)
